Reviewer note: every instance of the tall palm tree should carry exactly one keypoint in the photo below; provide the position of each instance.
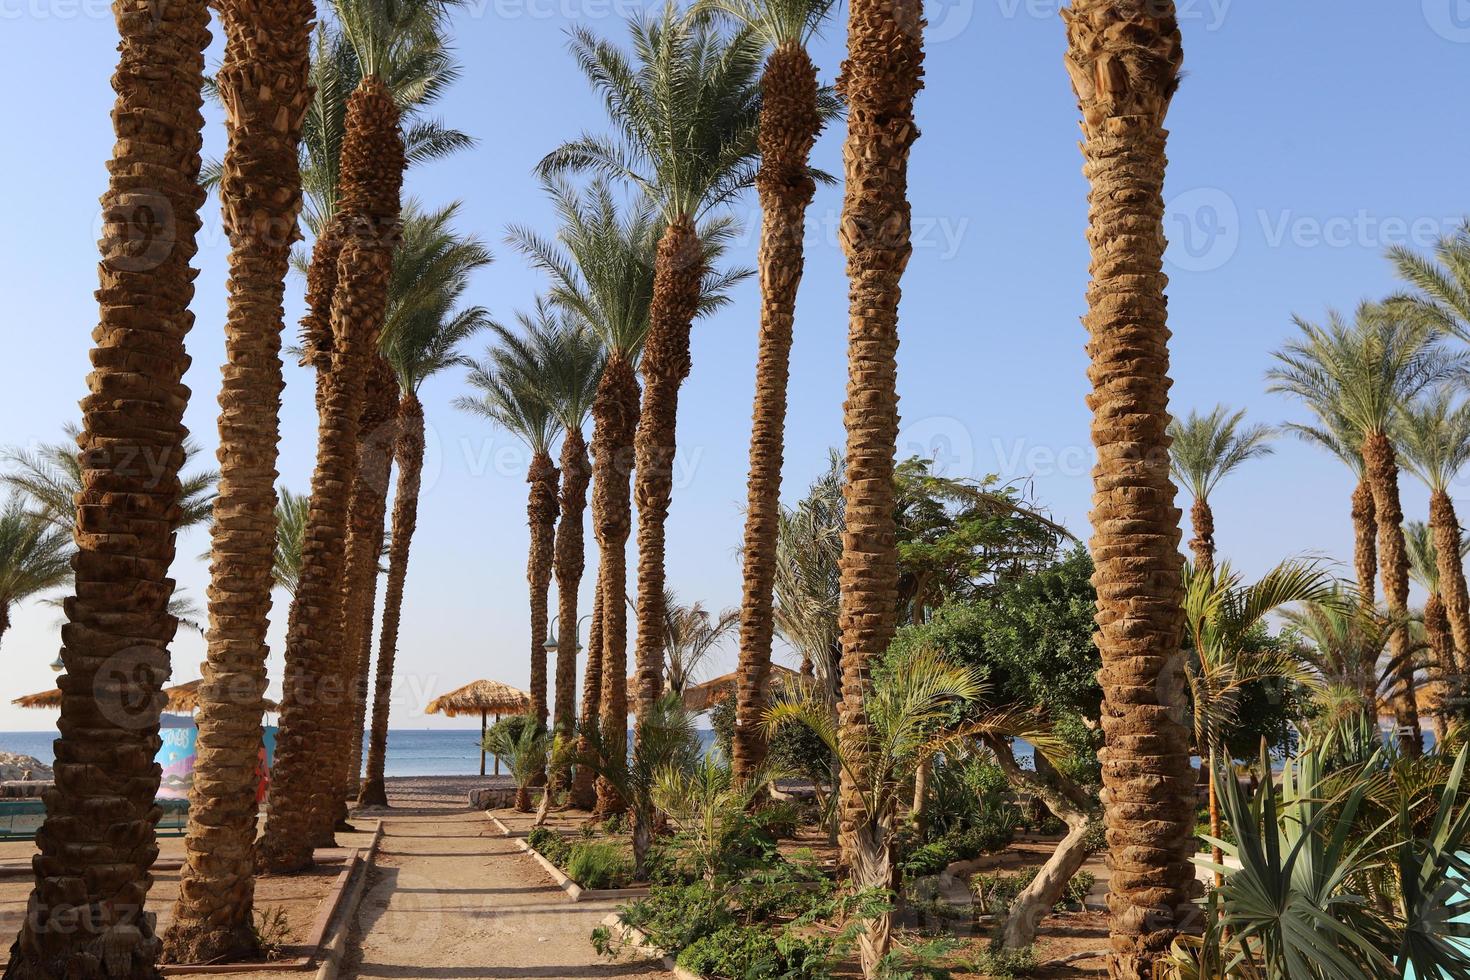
(305, 785)
(583, 790)
(507, 384)
(97, 843)
(1370, 368)
(1443, 670)
(686, 111)
(790, 122)
(1123, 58)
(690, 636)
(35, 555)
(1433, 436)
(263, 86)
(424, 331)
(1335, 434)
(1203, 450)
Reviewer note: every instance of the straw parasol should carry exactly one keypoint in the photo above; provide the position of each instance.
(484, 698)
(182, 698)
(702, 697)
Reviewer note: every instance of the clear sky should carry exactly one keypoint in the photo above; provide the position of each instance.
(1306, 138)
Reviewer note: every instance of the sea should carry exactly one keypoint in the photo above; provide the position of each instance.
(411, 752)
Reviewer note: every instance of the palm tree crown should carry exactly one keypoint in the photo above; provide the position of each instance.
(690, 635)
(1442, 284)
(508, 382)
(774, 22)
(1206, 448)
(1433, 437)
(35, 554)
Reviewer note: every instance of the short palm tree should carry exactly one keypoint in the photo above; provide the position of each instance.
(507, 384)
(686, 111)
(35, 555)
(690, 635)
(525, 750)
(425, 328)
(1203, 450)
(808, 578)
(1345, 643)
(1433, 436)
(790, 121)
(96, 846)
(1370, 368)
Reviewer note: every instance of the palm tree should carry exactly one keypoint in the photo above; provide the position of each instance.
(1434, 439)
(423, 332)
(790, 122)
(304, 800)
(1444, 670)
(690, 635)
(583, 792)
(1334, 433)
(1123, 58)
(686, 111)
(291, 512)
(1370, 369)
(96, 845)
(35, 555)
(1441, 285)
(1203, 450)
(263, 86)
(508, 382)
(1344, 643)
(808, 578)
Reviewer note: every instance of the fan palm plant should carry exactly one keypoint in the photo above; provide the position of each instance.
(96, 846)
(1123, 58)
(790, 121)
(1370, 368)
(508, 382)
(424, 330)
(525, 750)
(690, 635)
(1203, 450)
(1220, 613)
(686, 110)
(35, 555)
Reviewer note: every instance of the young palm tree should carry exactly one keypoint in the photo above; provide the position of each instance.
(263, 86)
(1370, 369)
(1203, 450)
(508, 384)
(291, 512)
(808, 579)
(1433, 436)
(1345, 644)
(96, 845)
(525, 751)
(305, 784)
(686, 112)
(1123, 58)
(1443, 670)
(423, 332)
(689, 638)
(1334, 433)
(35, 555)
(790, 122)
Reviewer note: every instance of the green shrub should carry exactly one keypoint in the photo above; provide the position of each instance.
(1078, 889)
(993, 833)
(999, 963)
(672, 917)
(551, 845)
(593, 864)
(996, 891)
(752, 953)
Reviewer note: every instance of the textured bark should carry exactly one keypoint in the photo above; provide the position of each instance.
(571, 561)
(584, 781)
(678, 270)
(541, 512)
(1444, 523)
(1438, 700)
(1123, 58)
(409, 455)
(315, 709)
(789, 126)
(615, 422)
(1202, 519)
(264, 88)
(377, 436)
(1365, 549)
(880, 78)
(1381, 467)
(85, 916)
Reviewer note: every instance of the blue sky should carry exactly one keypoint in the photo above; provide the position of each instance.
(1306, 138)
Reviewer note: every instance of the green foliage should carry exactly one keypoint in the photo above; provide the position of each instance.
(523, 748)
(672, 917)
(550, 845)
(752, 953)
(599, 864)
(996, 891)
(992, 834)
(998, 963)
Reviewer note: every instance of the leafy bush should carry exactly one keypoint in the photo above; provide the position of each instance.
(672, 917)
(994, 834)
(1079, 888)
(551, 845)
(996, 891)
(594, 864)
(1000, 963)
(752, 953)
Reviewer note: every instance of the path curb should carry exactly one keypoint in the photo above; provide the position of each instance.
(574, 891)
(332, 951)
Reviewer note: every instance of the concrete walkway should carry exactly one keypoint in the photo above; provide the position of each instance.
(449, 898)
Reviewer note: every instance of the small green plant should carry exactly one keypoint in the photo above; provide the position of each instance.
(595, 864)
(752, 953)
(672, 917)
(272, 931)
(1078, 889)
(551, 845)
(999, 963)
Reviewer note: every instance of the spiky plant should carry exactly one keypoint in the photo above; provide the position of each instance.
(525, 751)
(1203, 450)
(35, 555)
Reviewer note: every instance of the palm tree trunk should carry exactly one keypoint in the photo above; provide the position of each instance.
(1393, 561)
(263, 83)
(788, 128)
(882, 75)
(871, 847)
(1202, 519)
(1445, 525)
(576, 474)
(377, 428)
(1365, 550)
(315, 714)
(409, 455)
(678, 270)
(1123, 58)
(615, 422)
(584, 781)
(1438, 638)
(85, 915)
(541, 513)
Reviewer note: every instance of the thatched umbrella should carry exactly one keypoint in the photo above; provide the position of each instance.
(182, 698)
(702, 697)
(485, 698)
